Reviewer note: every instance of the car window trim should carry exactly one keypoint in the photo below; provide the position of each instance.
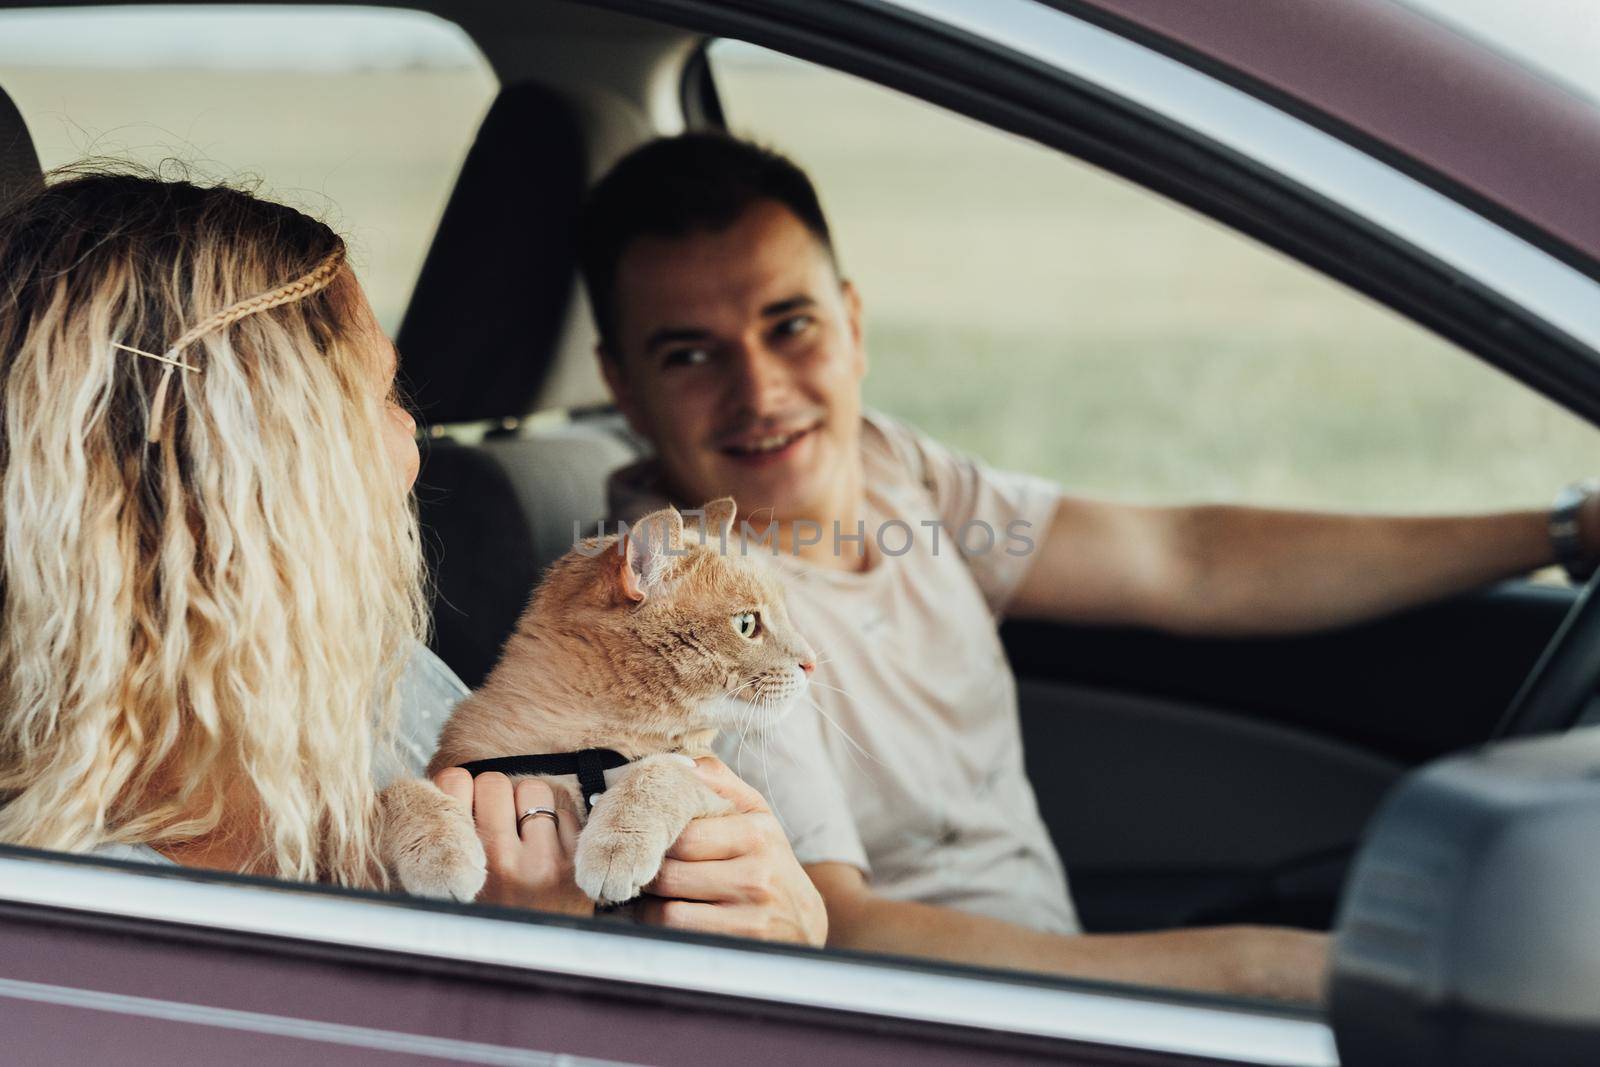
(1455, 189)
(698, 93)
(321, 1032)
(1130, 1018)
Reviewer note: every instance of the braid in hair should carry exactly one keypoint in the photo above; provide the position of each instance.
(313, 281)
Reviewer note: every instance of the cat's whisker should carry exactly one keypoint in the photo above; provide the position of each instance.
(744, 719)
(738, 752)
(788, 752)
(730, 694)
(835, 688)
(766, 777)
(767, 783)
(843, 733)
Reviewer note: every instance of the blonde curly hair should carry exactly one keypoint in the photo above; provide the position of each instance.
(205, 604)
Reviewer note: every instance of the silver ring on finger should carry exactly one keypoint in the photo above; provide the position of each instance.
(534, 813)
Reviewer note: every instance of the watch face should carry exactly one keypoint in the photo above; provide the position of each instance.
(1566, 532)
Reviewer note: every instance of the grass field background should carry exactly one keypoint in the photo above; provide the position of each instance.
(1020, 304)
(373, 153)
(1053, 318)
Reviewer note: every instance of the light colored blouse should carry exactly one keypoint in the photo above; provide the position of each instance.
(429, 690)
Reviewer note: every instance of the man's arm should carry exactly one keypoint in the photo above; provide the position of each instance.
(1236, 570)
(1239, 960)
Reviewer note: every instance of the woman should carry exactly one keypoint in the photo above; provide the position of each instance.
(210, 573)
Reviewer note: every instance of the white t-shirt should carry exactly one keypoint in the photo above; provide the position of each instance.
(429, 690)
(935, 805)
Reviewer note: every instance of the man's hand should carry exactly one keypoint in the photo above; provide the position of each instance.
(735, 874)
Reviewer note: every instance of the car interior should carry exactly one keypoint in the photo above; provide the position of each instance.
(1185, 780)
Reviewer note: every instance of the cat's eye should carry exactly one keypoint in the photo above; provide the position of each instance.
(747, 624)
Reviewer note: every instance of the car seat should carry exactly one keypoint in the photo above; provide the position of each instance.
(478, 344)
(19, 162)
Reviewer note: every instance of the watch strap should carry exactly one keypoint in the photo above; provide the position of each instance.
(1566, 531)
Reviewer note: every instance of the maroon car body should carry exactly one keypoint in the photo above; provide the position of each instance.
(1407, 88)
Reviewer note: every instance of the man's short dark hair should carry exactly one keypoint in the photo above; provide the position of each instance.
(676, 186)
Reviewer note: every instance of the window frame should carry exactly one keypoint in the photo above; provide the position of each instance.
(846, 990)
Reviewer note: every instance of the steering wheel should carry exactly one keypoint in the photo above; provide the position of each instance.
(1557, 691)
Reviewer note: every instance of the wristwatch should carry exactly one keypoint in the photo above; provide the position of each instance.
(1566, 534)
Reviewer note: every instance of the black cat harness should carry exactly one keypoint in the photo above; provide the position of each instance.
(589, 764)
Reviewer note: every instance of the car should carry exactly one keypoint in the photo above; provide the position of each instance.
(1195, 780)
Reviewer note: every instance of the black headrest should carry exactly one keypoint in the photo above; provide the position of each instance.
(480, 334)
(19, 163)
(479, 547)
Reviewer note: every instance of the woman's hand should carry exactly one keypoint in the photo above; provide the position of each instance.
(735, 874)
(531, 869)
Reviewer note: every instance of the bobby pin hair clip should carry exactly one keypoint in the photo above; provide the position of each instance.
(315, 280)
(159, 408)
(159, 359)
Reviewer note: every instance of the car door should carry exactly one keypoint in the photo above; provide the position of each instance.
(103, 961)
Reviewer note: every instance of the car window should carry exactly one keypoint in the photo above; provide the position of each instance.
(1058, 320)
(359, 116)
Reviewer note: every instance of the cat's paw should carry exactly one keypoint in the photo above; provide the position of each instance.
(451, 867)
(612, 865)
(433, 850)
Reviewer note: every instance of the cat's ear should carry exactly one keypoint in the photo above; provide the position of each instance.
(718, 520)
(648, 551)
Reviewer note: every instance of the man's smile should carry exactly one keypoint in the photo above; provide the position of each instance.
(759, 449)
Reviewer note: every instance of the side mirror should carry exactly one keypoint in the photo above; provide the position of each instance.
(1469, 933)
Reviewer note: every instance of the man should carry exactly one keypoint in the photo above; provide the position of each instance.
(731, 341)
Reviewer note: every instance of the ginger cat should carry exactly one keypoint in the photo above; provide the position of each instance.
(646, 644)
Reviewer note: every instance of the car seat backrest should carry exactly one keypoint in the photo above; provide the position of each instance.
(491, 309)
(495, 290)
(19, 162)
(496, 514)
